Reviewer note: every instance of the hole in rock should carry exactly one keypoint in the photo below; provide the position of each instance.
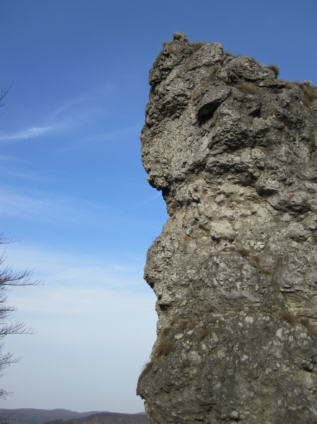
(163, 307)
(206, 112)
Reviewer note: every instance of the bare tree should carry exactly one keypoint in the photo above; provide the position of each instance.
(9, 278)
(3, 93)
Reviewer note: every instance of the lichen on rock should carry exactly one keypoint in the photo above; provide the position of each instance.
(234, 151)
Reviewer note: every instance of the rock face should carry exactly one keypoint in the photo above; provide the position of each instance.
(234, 151)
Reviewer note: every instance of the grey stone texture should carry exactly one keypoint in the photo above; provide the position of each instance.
(234, 151)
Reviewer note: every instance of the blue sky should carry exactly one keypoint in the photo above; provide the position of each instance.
(75, 203)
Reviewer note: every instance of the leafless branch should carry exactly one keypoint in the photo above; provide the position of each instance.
(9, 278)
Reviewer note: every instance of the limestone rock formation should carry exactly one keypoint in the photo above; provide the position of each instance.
(234, 151)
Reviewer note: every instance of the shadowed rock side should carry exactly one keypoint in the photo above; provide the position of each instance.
(234, 151)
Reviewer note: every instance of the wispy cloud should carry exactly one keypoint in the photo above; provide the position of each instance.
(66, 302)
(110, 136)
(72, 114)
(27, 205)
(55, 267)
(66, 107)
(68, 116)
(85, 102)
(24, 175)
(46, 207)
(27, 133)
(11, 159)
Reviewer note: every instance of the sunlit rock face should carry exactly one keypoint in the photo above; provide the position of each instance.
(234, 151)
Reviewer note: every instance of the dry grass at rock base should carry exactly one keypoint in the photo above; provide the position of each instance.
(275, 69)
(309, 93)
(212, 75)
(195, 47)
(164, 347)
(308, 90)
(248, 88)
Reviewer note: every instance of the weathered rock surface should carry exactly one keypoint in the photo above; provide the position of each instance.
(234, 151)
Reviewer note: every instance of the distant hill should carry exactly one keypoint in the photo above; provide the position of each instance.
(39, 416)
(64, 416)
(107, 418)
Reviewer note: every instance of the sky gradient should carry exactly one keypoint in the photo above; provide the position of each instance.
(75, 204)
